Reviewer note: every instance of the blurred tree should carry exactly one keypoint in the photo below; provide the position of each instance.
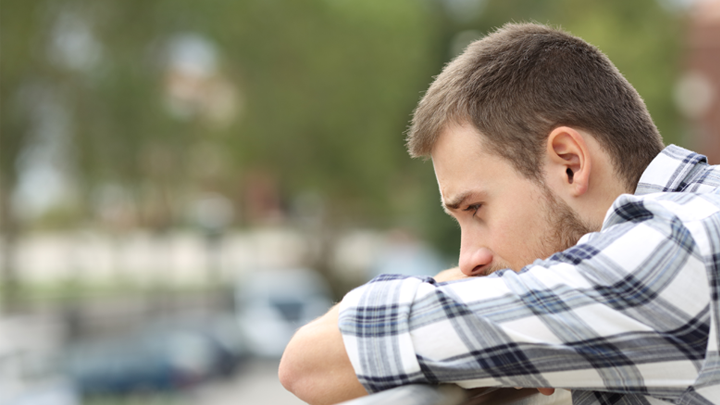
(159, 101)
(156, 102)
(16, 37)
(329, 88)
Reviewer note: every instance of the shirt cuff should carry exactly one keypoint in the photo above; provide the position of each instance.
(374, 322)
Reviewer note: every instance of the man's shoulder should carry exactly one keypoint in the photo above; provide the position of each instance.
(684, 206)
(677, 169)
(657, 222)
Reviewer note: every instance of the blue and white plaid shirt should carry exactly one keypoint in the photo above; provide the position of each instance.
(628, 315)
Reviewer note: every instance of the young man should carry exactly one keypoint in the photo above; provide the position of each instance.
(549, 161)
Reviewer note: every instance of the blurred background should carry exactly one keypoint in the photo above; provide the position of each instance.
(184, 183)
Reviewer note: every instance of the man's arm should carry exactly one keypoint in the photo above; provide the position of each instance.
(315, 366)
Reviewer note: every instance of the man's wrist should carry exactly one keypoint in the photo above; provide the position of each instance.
(450, 275)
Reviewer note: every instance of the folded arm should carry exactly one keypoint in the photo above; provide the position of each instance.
(609, 314)
(315, 366)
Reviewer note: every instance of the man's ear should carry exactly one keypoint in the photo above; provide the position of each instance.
(569, 160)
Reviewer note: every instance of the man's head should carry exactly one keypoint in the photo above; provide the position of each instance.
(517, 127)
(507, 220)
(520, 82)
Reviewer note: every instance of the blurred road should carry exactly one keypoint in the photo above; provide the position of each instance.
(256, 383)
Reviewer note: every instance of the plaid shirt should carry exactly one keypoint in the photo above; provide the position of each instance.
(628, 315)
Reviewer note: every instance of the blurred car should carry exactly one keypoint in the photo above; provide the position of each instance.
(29, 365)
(220, 331)
(404, 255)
(167, 356)
(272, 303)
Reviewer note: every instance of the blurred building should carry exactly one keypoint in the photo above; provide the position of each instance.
(699, 87)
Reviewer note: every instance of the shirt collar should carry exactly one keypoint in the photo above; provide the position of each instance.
(671, 170)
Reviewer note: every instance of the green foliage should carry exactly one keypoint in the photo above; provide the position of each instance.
(324, 89)
(329, 88)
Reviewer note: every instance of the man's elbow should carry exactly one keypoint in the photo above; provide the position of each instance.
(298, 373)
(315, 366)
(289, 373)
(290, 370)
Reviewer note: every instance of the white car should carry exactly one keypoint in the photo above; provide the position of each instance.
(272, 304)
(29, 368)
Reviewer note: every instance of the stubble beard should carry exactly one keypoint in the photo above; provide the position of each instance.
(565, 227)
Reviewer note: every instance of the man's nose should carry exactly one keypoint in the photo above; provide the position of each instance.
(474, 261)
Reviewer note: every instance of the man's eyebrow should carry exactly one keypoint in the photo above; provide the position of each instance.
(457, 201)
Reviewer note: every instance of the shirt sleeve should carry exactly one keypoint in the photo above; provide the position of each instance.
(624, 310)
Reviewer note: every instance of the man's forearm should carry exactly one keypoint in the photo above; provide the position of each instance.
(315, 366)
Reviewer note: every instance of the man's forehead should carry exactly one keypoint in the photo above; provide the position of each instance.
(461, 144)
(452, 128)
(468, 172)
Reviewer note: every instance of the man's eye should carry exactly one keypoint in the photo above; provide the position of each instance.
(473, 208)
